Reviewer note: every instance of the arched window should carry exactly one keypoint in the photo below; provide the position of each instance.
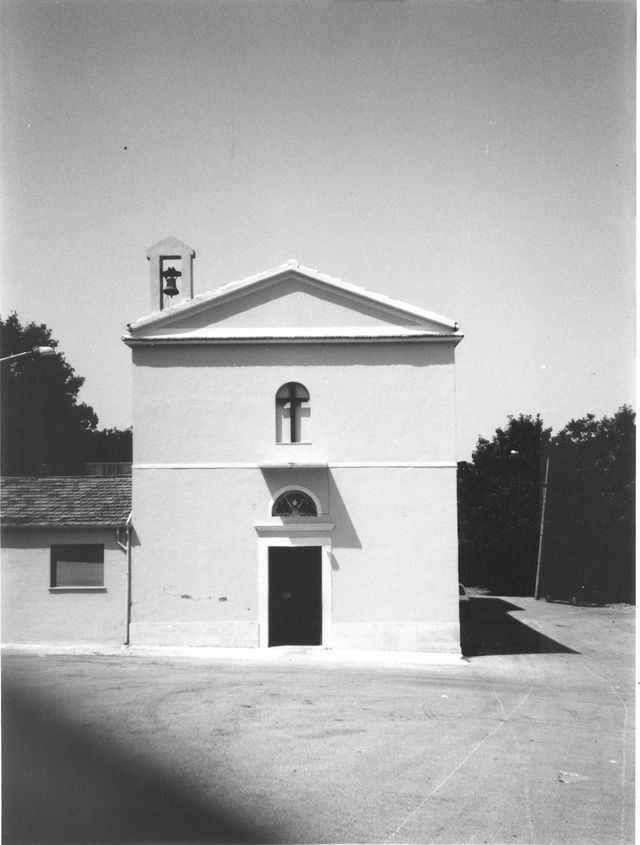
(294, 503)
(292, 413)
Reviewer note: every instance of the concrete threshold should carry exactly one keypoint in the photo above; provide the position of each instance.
(300, 655)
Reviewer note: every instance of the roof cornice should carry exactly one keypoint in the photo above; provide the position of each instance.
(291, 268)
(216, 340)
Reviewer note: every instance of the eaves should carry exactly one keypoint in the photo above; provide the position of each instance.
(92, 526)
(191, 340)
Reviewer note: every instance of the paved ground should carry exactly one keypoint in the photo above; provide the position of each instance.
(530, 741)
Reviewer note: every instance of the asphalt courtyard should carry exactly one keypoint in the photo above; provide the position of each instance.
(528, 740)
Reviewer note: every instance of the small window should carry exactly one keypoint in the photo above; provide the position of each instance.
(292, 413)
(294, 503)
(77, 566)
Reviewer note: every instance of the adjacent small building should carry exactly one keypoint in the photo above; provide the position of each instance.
(294, 475)
(64, 559)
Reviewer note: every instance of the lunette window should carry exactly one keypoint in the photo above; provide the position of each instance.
(294, 503)
(293, 413)
(77, 565)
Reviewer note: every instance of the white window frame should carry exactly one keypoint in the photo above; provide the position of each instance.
(303, 536)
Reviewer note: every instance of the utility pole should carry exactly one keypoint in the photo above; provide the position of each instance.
(544, 504)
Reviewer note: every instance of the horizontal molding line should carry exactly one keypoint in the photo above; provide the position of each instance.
(301, 465)
(271, 340)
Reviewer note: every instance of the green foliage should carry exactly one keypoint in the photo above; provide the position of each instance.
(590, 511)
(45, 430)
(590, 520)
(499, 506)
(110, 445)
(43, 424)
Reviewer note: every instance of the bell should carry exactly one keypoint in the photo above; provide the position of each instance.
(170, 275)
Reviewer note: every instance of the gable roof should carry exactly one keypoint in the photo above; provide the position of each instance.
(65, 502)
(186, 319)
(170, 247)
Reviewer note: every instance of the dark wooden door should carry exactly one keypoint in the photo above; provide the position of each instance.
(295, 595)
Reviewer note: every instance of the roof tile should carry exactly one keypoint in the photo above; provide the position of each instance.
(70, 501)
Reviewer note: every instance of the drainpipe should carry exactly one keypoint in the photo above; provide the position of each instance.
(127, 548)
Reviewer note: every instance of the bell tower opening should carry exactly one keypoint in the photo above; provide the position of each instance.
(171, 273)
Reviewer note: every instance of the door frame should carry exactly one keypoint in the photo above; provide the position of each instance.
(293, 534)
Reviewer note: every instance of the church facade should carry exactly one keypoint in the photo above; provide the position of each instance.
(294, 474)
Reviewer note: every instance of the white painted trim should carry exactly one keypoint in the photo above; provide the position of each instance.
(313, 278)
(400, 464)
(285, 538)
(196, 466)
(196, 340)
(292, 464)
(275, 526)
(302, 465)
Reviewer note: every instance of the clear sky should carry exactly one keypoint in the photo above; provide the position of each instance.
(473, 158)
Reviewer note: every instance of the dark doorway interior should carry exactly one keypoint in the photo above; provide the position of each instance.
(295, 595)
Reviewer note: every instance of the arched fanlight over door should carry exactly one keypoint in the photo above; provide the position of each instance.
(294, 503)
(292, 413)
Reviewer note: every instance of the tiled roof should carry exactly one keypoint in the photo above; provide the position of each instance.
(72, 501)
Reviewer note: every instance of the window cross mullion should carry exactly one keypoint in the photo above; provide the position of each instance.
(294, 413)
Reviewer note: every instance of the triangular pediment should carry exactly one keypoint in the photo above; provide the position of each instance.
(170, 247)
(289, 301)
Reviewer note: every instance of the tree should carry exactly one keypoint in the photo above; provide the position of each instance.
(590, 511)
(44, 427)
(590, 518)
(110, 445)
(499, 508)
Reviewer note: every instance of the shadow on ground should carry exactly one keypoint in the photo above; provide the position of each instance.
(486, 627)
(62, 782)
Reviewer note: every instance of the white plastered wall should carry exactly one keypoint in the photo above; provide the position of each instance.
(33, 613)
(389, 574)
(206, 468)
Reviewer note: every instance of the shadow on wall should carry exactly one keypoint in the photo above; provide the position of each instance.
(135, 539)
(306, 478)
(346, 536)
(486, 627)
(323, 485)
(270, 355)
(62, 783)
